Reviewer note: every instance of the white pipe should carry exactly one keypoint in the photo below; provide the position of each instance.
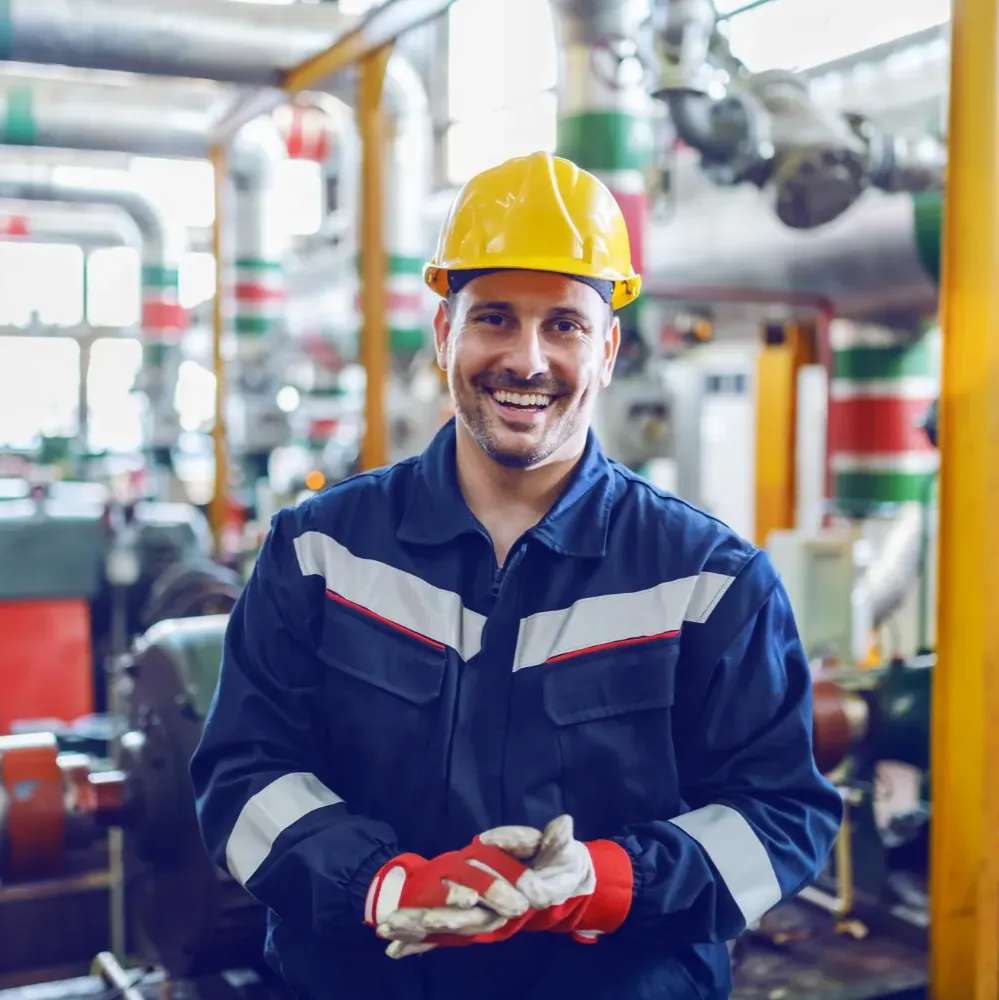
(87, 227)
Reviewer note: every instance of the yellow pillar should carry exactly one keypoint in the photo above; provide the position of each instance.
(784, 352)
(374, 336)
(964, 850)
(218, 509)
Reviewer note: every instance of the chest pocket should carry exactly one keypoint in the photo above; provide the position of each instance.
(611, 711)
(382, 698)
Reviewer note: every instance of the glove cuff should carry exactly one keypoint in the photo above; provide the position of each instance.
(386, 887)
(608, 907)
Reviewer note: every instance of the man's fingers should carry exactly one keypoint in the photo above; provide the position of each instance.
(403, 925)
(520, 841)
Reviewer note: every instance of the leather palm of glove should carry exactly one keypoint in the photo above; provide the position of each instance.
(571, 887)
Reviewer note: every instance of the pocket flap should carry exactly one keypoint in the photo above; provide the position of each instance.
(388, 657)
(599, 687)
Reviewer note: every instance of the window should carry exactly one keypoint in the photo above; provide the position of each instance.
(501, 81)
(41, 282)
(114, 296)
(800, 34)
(300, 189)
(197, 279)
(185, 189)
(115, 412)
(40, 389)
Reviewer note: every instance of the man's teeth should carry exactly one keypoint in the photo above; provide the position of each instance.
(525, 399)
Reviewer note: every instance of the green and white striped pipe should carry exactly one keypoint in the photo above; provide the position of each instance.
(260, 298)
(604, 124)
(883, 383)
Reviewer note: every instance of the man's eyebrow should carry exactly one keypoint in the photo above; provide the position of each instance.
(569, 312)
(495, 306)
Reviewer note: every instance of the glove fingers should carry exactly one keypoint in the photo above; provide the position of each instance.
(444, 920)
(460, 896)
(520, 841)
(557, 837)
(404, 925)
(403, 949)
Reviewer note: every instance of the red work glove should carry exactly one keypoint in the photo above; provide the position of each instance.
(466, 893)
(584, 889)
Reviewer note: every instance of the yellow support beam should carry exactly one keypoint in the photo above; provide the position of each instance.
(777, 370)
(964, 848)
(374, 335)
(219, 507)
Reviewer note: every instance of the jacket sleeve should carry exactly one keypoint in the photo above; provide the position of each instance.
(265, 815)
(761, 819)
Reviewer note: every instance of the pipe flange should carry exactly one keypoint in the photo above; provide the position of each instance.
(816, 185)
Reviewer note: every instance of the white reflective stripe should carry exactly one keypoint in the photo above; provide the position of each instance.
(267, 815)
(737, 853)
(400, 597)
(615, 618)
(710, 589)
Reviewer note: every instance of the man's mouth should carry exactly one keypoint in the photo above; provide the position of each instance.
(523, 401)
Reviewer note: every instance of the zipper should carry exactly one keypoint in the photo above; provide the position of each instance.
(501, 573)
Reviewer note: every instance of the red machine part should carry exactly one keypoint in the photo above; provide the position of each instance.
(45, 661)
(839, 723)
(31, 783)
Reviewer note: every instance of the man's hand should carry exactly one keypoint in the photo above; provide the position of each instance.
(461, 893)
(572, 887)
(560, 866)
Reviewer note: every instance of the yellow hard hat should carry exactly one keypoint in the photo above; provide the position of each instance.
(536, 213)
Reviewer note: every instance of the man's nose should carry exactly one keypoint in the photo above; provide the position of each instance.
(525, 355)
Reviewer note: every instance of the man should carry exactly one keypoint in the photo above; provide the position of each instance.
(506, 704)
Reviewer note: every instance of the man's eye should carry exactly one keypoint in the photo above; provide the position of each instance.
(494, 319)
(566, 326)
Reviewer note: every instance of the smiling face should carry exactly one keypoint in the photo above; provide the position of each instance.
(526, 353)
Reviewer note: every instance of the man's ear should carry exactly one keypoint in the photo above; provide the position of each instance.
(612, 344)
(442, 331)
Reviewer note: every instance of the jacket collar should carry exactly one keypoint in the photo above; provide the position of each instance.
(436, 512)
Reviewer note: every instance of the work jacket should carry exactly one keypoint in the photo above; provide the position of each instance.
(387, 687)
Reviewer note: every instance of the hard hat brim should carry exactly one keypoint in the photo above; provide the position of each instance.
(626, 287)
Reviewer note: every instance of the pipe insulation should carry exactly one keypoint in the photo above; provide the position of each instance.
(163, 242)
(879, 261)
(90, 228)
(243, 43)
(604, 110)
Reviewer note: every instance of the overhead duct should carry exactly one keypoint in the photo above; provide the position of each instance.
(879, 261)
(170, 120)
(241, 43)
(163, 319)
(88, 228)
(766, 129)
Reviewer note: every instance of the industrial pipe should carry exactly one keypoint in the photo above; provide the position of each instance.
(604, 111)
(246, 44)
(879, 261)
(89, 228)
(168, 120)
(163, 322)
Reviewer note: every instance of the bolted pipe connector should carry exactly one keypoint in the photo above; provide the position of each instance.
(683, 32)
